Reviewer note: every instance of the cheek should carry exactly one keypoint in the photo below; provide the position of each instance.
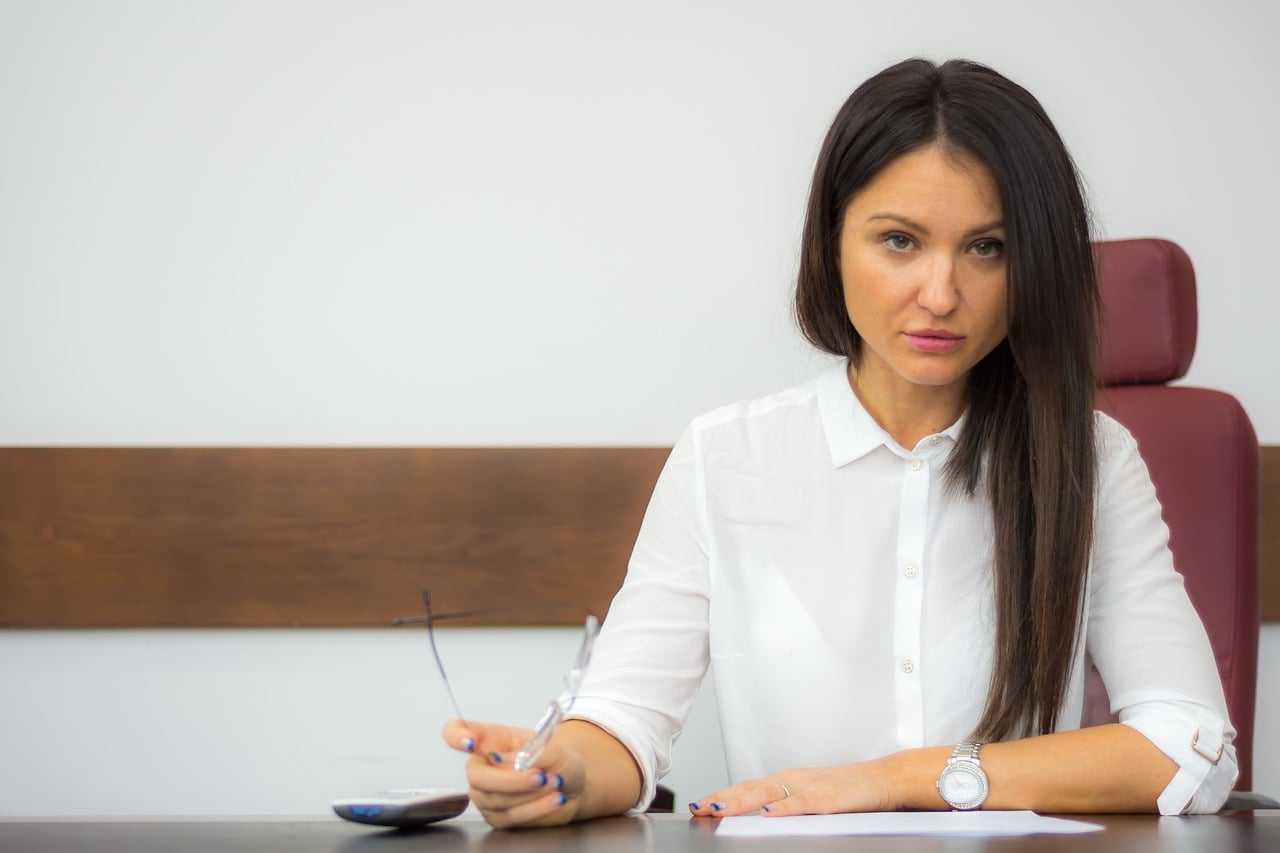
(988, 299)
(859, 281)
(998, 319)
(857, 306)
(1000, 307)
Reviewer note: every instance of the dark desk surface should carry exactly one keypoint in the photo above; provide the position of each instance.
(1223, 833)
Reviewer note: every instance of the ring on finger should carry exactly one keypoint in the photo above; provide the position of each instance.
(786, 792)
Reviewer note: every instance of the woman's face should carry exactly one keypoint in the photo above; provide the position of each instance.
(923, 267)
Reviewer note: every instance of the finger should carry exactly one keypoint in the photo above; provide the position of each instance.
(487, 800)
(484, 775)
(547, 810)
(458, 734)
(744, 798)
(558, 763)
(485, 738)
(506, 798)
(541, 796)
(790, 803)
(503, 801)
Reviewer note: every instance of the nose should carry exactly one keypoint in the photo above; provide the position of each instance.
(938, 293)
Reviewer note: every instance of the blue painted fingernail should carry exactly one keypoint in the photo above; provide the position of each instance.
(542, 779)
(693, 807)
(764, 808)
(495, 758)
(564, 798)
(559, 781)
(469, 744)
(715, 807)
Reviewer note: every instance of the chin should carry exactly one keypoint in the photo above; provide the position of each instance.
(932, 379)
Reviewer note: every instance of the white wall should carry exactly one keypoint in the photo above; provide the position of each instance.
(246, 223)
(268, 722)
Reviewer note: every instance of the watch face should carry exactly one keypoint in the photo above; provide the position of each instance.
(963, 786)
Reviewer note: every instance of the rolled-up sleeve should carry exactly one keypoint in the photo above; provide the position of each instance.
(1146, 639)
(652, 652)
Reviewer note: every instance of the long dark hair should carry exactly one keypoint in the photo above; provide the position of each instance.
(1029, 429)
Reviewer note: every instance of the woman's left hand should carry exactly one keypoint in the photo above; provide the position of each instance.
(862, 787)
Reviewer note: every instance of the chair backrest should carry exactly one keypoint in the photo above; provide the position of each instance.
(1203, 456)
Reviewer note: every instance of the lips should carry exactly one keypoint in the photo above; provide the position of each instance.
(934, 340)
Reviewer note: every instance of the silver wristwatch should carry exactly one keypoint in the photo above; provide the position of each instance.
(963, 784)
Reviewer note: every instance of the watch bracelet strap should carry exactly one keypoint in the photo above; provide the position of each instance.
(966, 751)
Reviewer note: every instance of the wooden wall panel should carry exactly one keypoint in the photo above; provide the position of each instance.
(311, 537)
(188, 537)
(1271, 533)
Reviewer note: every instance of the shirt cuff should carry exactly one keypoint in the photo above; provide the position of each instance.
(1199, 742)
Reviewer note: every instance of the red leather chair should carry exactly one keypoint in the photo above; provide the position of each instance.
(1203, 456)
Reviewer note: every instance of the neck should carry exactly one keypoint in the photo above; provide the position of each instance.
(906, 411)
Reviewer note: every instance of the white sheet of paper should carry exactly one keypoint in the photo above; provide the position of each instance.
(903, 823)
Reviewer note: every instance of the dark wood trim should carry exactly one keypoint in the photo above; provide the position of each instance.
(93, 537)
(189, 537)
(1270, 554)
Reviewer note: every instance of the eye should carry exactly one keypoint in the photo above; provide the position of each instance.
(897, 241)
(989, 248)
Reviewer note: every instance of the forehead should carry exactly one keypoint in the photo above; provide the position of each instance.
(932, 179)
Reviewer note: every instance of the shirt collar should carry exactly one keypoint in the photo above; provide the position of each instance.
(851, 431)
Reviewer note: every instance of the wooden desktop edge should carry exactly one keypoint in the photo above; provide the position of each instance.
(1223, 832)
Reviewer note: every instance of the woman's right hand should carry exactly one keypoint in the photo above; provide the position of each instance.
(548, 794)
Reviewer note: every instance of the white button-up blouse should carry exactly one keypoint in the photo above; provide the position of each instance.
(841, 596)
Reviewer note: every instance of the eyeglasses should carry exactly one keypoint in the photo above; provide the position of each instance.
(559, 707)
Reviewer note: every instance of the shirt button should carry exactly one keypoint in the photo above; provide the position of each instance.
(910, 570)
(934, 440)
(916, 464)
(908, 667)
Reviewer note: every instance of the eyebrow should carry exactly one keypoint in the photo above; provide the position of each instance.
(916, 226)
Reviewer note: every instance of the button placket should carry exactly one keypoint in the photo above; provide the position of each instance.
(909, 598)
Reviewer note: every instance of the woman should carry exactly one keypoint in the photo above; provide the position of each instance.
(899, 571)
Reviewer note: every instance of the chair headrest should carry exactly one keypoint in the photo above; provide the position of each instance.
(1148, 331)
